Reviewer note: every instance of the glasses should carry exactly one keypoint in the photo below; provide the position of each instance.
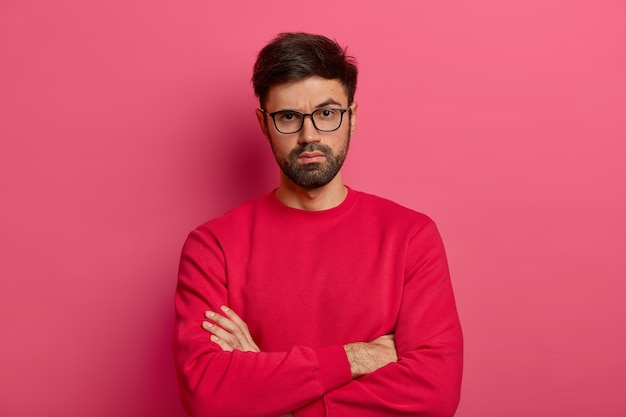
(291, 121)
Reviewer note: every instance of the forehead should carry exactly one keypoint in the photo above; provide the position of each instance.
(305, 94)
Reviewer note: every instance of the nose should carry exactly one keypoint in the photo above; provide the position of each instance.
(308, 133)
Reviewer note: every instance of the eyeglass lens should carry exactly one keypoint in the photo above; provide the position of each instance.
(325, 120)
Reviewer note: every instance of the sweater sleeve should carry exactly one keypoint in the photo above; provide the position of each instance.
(217, 383)
(426, 380)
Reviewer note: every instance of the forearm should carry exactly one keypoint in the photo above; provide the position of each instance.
(217, 382)
(425, 383)
(367, 357)
(258, 384)
(231, 333)
(223, 377)
(426, 379)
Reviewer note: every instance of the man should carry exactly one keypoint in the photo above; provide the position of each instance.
(315, 299)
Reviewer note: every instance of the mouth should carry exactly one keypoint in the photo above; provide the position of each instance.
(311, 157)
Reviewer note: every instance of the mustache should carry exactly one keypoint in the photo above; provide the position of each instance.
(310, 147)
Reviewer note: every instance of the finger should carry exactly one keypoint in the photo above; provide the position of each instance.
(221, 343)
(230, 313)
(236, 327)
(223, 322)
(237, 337)
(220, 334)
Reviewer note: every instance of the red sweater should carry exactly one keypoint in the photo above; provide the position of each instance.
(307, 282)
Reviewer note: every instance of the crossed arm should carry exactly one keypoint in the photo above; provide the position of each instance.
(231, 376)
(230, 333)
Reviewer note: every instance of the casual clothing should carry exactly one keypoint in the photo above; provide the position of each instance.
(306, 283)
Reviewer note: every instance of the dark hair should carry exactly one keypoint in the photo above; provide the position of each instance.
(295, 56)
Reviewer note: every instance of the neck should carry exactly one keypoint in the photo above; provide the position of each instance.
(323, 198)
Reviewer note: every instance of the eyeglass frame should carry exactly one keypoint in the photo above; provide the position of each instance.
(304, 115)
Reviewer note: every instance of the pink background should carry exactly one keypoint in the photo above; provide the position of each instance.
(124, 124)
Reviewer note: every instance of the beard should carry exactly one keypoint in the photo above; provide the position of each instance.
(317, 174)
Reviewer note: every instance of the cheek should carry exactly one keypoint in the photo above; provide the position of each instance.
(339, 141)
(280, 148)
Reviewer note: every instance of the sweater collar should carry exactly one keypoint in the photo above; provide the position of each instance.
(345, 206)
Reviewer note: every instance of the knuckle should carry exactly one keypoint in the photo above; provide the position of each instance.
(217, 319)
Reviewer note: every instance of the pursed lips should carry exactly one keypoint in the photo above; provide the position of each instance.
(315, 156)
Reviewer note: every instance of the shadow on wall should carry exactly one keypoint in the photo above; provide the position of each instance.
(231, 162)
(243, 164)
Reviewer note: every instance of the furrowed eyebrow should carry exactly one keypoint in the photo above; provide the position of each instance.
(321, 105)
(327, 102)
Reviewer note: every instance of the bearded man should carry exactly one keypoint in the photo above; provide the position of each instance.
(315, 299)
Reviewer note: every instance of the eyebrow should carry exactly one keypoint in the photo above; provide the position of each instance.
(327, 102)
(321, 105)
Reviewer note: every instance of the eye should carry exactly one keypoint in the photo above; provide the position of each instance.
(327, 113)
(288, 116)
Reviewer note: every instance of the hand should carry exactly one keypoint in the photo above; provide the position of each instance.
(366, 357)
(229, 332)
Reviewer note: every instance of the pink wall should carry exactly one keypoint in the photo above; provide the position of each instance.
(124, 124)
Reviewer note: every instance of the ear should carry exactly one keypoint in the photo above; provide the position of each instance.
(353, 106)
(260, 116)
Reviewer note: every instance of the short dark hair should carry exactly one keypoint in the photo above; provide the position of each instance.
(295, 56)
